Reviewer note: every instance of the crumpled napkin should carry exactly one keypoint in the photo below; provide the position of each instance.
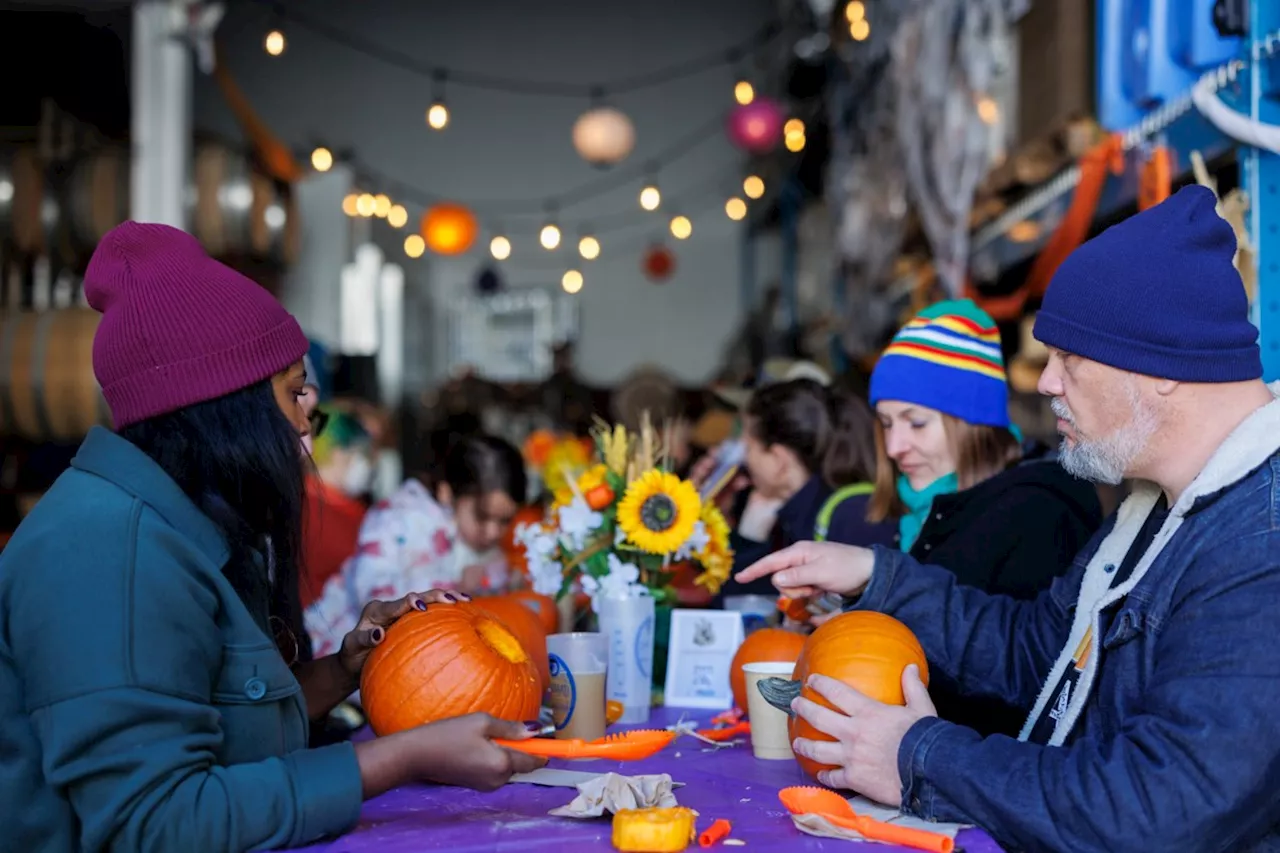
(815, 825)
(612, 792)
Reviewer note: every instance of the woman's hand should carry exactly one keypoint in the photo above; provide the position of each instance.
(377, 617)
(806, 569)
(458, 751)
(867, 735)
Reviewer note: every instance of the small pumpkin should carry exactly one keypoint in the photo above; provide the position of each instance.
(526, 625)
(766, 644)
(543, 605)
(653, 830)
(867, 651)
(447, 661)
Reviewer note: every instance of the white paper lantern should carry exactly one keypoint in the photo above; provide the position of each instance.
(603, 136)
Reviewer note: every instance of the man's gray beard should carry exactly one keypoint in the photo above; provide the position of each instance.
(1107, 460)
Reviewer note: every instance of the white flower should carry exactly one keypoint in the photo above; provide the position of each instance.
(540, 550)
(577, 521)
(697, 540)
(621, 582)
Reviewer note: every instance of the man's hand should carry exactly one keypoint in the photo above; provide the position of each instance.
(867, 735)
(806, 569)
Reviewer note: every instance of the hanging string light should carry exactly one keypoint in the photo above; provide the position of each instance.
(274, 43)
(349, 204)
(549, 237)
(571, 281)
(860, 30)
(736, 209)
(500, 248)
(743, 92)
(397, 216)
(322, 159)
(365, 205)
(650, 197)
(753, 186)
(381, 205)
(438, 113)
(793, 135)
(414, 245)
(855, 11)
(681, 227)
(589, 248)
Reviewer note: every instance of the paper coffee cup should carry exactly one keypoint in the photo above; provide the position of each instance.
(769, 737)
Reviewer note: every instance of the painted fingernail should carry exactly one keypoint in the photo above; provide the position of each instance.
(538, 728)
(451, 596)
(376, 635)
(420, 604)
(464, 596)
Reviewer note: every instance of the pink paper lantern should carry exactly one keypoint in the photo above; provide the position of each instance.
(757, 126)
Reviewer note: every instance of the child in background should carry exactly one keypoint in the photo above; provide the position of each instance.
(440, 532)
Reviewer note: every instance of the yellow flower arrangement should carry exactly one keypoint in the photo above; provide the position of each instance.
(659, 511)
(717, 557)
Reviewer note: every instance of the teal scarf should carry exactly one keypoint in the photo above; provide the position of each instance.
(918, 504)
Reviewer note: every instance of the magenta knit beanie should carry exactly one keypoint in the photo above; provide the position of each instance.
(177, 326)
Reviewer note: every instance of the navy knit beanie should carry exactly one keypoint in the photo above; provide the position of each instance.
(1157, 294)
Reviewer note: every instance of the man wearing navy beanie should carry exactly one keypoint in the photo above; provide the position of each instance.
(1149, 672)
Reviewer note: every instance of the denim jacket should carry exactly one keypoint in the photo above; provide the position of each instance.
(1177, 745)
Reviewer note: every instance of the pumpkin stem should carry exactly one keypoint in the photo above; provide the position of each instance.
(501, 640)
(779, 692)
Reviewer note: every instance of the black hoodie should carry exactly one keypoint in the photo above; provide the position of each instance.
(1011, 535)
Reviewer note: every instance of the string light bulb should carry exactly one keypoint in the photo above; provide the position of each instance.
(681, 227)
(381, 206)
(365, 205)
(550, 237)
(589, 248)
(274, 43)
(855, 11)
(736, 209)
(322, 159)
(349, 206)
(437, 116)
(793, 135)
(572, 281)
(743, 92)
(650, 198)
(795, 142)
(414, 245)
(753, 186)
(860, 29)
(500, 248)
(397, 216)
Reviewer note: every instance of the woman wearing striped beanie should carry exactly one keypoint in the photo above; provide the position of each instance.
(966, 494)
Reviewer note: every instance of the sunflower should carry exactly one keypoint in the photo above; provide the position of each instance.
(717, 530)
(659, 511)
(715, 571)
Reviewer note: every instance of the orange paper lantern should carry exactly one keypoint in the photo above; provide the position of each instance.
(449, 229)
(867, 651)
(444, 662)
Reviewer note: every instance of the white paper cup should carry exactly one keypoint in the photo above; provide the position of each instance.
(769, 737)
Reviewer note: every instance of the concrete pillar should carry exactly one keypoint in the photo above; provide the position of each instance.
(161, 113)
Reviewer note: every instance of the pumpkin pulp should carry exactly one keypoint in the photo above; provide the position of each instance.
(501, 640)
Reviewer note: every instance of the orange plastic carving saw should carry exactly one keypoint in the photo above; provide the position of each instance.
(623, 746)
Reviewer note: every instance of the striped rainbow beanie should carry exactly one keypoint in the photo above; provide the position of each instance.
(947, 358)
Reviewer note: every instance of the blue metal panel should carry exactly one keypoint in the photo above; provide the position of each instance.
(1150, 51)
(1262, 176)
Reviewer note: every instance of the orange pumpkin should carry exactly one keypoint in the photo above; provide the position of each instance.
(866, 650)
(766, 644)
(543, 605)
(526, 625)
(444, 662)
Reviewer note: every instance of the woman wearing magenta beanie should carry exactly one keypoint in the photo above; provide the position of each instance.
(151, 692)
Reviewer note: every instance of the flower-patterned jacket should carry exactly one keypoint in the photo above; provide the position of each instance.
(408, 543)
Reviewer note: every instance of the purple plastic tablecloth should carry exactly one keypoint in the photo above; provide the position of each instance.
(727, 783)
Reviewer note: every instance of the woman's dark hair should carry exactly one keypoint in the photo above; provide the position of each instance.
(476, 465)
(831, 431)
(240, 461)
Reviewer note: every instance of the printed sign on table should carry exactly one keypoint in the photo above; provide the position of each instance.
(699, 655)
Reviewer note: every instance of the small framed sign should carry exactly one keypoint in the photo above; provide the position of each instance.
(699, 655)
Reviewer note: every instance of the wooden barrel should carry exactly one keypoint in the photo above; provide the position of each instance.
(238, 212)
(32, 213)
(98, 195)
(47, 387)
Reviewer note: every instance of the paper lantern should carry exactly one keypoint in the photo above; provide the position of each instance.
(757, 126)
(449, 229)
(659, 263)
(603, 136)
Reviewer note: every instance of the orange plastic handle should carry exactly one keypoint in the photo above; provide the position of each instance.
(714, 833)
(627, 746)
(726, 733)
(920, 839)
